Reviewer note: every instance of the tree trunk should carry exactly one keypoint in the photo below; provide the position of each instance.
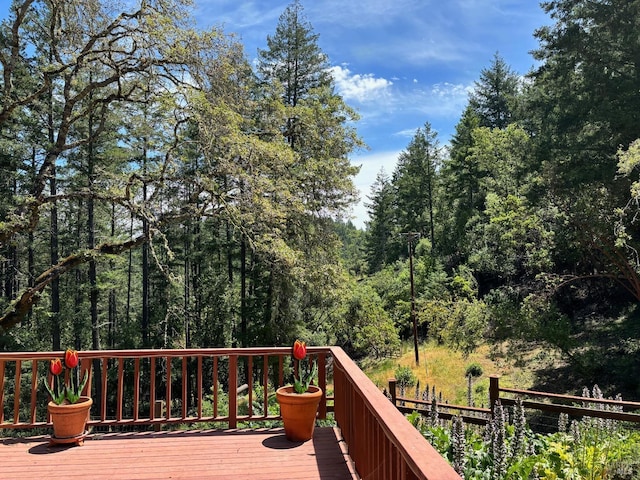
(55, 284)
(146, 338)
(243, 293)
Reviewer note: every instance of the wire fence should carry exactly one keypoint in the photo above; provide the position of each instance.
(544, 410)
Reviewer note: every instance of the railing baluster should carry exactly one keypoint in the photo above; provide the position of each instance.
(167, 413)
(494, 391)
(136, 389)
(199, 383)
(152, 388)
(120, 388)
(233, 391)
(250, 384)
(103, 402)
(1, 391)
(322, 383)
(265, 383)
(34, 391)
(16, 392)
(184, 387)
(215, 387)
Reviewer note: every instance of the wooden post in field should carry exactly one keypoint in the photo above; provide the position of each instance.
(392, 390)
(494, 391)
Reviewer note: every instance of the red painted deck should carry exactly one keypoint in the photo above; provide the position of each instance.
(205, 454)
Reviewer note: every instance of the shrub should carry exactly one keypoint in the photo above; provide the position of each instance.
(405, 377)
(473, 370)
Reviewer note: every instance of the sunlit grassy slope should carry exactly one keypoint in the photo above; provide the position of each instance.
(445, 369)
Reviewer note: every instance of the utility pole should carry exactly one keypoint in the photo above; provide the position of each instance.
(410, 237)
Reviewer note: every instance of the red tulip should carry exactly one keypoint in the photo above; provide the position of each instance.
(56, 366)
(71, 358)
(299, 350)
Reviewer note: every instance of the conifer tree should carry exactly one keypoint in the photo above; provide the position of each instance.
(415, 181)
(380, 228)
(317, 126)
(495, 93)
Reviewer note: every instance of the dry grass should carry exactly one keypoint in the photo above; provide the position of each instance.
(446, 369)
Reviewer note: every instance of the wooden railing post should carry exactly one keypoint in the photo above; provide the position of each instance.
(392, 390)
(494, 391)
(233, 391)
(322, 383)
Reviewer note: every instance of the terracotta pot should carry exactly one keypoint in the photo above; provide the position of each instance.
(298, 411)
(70, 420)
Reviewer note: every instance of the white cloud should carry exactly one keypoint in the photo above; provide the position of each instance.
(371, 165)
(404, 100)
(359, 87)
(406, 133)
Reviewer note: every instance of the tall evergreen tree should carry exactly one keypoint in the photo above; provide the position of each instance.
(317, 127)
(381, 226)
(585, 100)
(461, 184)
(294, 59)
(415, 181)
(495, 93)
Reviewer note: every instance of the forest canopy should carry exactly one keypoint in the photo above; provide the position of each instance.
(156, 190)
(159, 190)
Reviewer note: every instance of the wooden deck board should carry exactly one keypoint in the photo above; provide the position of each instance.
(205, 454)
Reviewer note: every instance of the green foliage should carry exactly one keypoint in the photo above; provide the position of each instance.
(514, 240)
(381, 246)
(591, 451)
(221, 189)
(458, 323)
(473, 370)
(306, 376)
(582, 110)
(404, 376)
(415, 182)
(364, 328)
(352, 240)
(495, 95)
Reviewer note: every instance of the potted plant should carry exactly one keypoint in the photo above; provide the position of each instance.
(299, 402)
(68, 408)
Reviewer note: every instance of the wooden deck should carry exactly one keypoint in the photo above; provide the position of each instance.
(205, 454)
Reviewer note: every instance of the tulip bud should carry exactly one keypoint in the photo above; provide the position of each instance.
(299, 350)
(71, 358)
(56, 367)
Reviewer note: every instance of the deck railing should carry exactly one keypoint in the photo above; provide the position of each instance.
(157, 387)
(232, 387)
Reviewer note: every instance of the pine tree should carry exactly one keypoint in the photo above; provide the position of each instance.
(495, 94)
(415, 181)
(317, 127)
(380, 228)
(461, 179)
(584, 98)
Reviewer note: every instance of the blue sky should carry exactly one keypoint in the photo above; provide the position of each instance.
(399, 63)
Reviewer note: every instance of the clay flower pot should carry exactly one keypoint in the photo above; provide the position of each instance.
(299, 411)
(69, 420)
